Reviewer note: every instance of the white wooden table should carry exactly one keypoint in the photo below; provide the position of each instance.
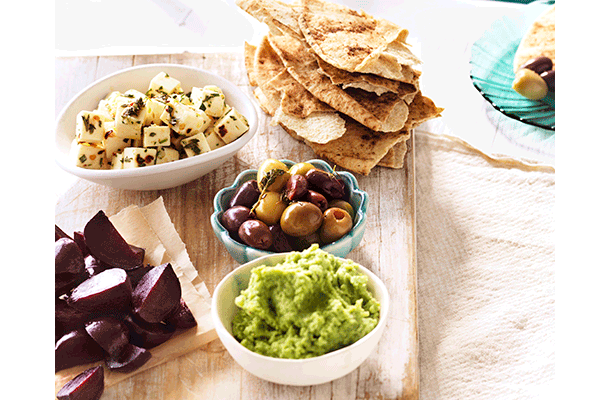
(388, 249)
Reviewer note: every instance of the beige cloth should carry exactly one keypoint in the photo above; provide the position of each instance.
(485, 274)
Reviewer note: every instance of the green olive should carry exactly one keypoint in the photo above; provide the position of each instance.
(275, 170)
(300, 168)
(530, 85)
(301, 219)
(344, 205)
(270, 207)
(336, 222)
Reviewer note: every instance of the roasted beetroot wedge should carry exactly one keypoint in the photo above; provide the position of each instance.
(68, 318)
(66, 282)
(135, 274)
(79, 238)
(108, 292)
(60, 234)
(110, 333)
(157, 294)
(147, 335)
(76, 348)
(88, 385)
(132, 358)
(68, 257)
(93, 266)
(182, 317)
(107, 244)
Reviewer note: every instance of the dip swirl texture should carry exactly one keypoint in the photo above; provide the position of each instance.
(309, 305)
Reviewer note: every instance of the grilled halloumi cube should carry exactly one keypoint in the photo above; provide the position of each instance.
(155, 136)
(112, 143)
(162, 83)
(87, 155)
(231, 126)
(195, 145)
(154, 109)
(129, 118)
(134, 157)
(183, 119)
(210, 99)
(166, 154)
(214, 141)
(116, 162)
(90, 127)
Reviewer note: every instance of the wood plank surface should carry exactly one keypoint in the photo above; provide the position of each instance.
(388, 249)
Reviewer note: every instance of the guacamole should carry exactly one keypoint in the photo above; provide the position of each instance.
(307, 306)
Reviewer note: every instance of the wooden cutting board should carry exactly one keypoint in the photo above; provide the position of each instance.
(388, 249)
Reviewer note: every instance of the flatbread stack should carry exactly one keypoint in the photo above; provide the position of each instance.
(342, 81)
(538, 41)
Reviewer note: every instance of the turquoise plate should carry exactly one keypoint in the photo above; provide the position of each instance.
(492, 69)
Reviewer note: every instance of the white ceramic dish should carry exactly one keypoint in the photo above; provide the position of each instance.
(305, 372)
(156, 176)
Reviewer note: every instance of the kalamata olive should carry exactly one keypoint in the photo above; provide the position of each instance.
(300, 168)
(303, 242)
(336, 222)
(246, 195)
(270, 207)
(280, 240)
(530, 85)
(301, 219)
(317, 200)
(539, 64)
(272, 175)
(233, 217)
(344, 205)
(549, 78)
(327, 184)
(296, 187)
(255, 233)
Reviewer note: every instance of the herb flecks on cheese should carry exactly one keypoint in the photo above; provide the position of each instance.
(132, 129)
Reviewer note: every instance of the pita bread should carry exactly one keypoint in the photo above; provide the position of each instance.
(538, 41)
(371, 83)
(281, 18)
(395, 157)
(360, 149)
(385, 113)
(355, 41)
(288, 101)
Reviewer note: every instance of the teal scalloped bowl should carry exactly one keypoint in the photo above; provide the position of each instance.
(492, 69)
(340, 248)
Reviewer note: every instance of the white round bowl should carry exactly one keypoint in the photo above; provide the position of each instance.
(153, 177)
(301, 372)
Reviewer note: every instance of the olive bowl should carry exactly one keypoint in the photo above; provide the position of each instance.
(242, 253)
(296, 372)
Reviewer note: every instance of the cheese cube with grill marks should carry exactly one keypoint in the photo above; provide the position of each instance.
(89, 156)
(195, 145)
(135, 157)
(231, 126)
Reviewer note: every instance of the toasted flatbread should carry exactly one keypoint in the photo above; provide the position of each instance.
(360, 149)
(395, 157)
(538, 41)
(280, 17)
(371, 83)
(355, 41)
(386, 113)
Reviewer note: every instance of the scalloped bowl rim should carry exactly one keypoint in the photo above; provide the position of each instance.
(231, 91)
(351, 180)
(383, 298)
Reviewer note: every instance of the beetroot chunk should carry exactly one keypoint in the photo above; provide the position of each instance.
(88, 385)
(107, 244)
(76, 348)
(60, 234)
(182, 317)
(147, 335)
(110, 333)
(131, 359)
(104, 293)
(68, 257)
(68, 318)
(157, 294)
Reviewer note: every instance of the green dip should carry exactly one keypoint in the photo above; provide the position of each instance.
(309, 305)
